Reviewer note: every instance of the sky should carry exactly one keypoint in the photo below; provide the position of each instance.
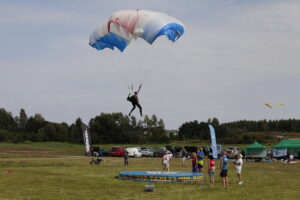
(234, 57)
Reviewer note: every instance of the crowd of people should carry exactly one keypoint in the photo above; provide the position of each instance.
(198, 165)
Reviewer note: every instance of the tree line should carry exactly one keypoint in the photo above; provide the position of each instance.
(104, 128)
(238, 132)
(119, 128)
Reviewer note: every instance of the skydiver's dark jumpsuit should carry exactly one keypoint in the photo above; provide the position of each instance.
(135, 102)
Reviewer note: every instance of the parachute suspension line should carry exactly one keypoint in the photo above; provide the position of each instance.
(138, 57)
(135, 75)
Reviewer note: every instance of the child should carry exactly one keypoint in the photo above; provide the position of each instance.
(211, 169)
(194, 162)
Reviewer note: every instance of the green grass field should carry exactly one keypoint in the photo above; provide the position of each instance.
(64, 175)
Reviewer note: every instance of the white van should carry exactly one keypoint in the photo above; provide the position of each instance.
(134, 152)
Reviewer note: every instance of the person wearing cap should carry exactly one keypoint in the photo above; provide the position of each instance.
(238, 166)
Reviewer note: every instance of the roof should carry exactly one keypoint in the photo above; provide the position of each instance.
(255, 145)
(287, 144)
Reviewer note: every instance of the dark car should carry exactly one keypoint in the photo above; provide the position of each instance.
(191, 149)
(178, 152)
(206, 150)
(105, 152)
(171, 149)
(159, 152)
(97, 151)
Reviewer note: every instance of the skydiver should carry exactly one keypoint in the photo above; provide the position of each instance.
(133, 98)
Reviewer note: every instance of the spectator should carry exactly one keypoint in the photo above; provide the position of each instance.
(211, 169)
(234, 152)
(224, 169)
(194, 162)
(238, 166)
(166, 161)
(126, 158)
(184, 155)
(200, 156)
(291, 158)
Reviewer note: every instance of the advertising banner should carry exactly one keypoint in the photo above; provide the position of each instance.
(86, 139)
(279, 152)
(213, 141)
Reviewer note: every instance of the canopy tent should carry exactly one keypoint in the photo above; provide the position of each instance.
(292, 146)
(255, 149)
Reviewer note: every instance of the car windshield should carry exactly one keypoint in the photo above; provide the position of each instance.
(114, 149)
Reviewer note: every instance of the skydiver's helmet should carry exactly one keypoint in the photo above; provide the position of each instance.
(131, 94)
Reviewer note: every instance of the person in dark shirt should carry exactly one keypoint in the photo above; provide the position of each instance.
(184, 155)
(126, 158)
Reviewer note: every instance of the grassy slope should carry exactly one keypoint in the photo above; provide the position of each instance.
(74, 178)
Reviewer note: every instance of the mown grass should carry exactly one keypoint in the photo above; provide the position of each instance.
(68, 177)
(40, 149)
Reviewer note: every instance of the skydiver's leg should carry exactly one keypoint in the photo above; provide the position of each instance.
(141, 110)
(132, 109)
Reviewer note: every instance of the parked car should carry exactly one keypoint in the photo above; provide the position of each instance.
(191, 149)
(134, 152)
(171, 149)
(147, 152)
(104, 152)
(97, 151)
(206, 150)
(178, 152)
(117, 151)
(159, 152)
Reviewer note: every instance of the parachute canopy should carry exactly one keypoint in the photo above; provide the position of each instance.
(272, 106)
(268, 105)
(124, 26)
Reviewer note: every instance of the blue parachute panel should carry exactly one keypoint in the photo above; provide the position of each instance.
(110, 40)
(173, 31)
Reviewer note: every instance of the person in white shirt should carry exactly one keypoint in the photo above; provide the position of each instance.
(166, 161)
(291, 158)
(238, 166)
